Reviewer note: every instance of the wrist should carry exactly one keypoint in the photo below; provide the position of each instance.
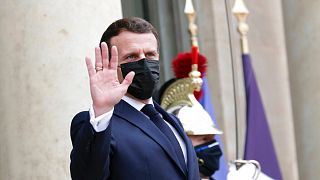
(99, 110)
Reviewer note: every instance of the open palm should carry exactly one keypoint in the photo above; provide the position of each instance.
(105, 88)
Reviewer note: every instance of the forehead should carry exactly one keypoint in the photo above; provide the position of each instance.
(129, 41)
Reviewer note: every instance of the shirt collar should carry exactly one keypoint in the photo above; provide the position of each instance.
(135, 103)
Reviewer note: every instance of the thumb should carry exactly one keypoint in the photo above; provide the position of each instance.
(128, 79)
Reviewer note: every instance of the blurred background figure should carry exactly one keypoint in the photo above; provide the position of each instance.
(180, 96)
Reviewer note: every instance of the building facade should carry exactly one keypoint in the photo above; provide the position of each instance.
(44, 80)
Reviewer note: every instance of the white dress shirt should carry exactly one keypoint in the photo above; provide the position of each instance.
(101, 122)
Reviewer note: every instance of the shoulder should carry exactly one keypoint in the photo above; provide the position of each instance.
(79, 120)
(80, 117)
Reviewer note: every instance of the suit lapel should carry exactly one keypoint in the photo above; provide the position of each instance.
(190, 153)
(135, 117)
(174, 122)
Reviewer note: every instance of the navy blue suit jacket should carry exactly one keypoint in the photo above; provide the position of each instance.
(132, 147)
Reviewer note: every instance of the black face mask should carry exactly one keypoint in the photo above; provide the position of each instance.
(208, 157)
(146, 77)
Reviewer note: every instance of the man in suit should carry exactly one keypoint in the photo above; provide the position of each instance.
(125, 135)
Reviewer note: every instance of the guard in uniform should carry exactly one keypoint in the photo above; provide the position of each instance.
(177, 96)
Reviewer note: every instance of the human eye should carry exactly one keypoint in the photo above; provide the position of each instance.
(131, 57)
(152, 55)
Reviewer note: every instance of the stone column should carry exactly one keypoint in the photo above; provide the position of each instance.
(44, 80)
(269, 60)
(302, 24)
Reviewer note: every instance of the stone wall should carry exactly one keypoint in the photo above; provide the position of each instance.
(44, 80)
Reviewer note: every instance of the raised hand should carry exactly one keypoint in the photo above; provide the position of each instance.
(105, 88)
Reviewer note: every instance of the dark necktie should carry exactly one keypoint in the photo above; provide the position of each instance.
(155, 117)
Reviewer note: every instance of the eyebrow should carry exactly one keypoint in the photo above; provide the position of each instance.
(130, 53)
(137, 53)
(152, 51)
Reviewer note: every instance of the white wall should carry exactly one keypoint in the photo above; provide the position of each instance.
(44, 80)
(302, 24)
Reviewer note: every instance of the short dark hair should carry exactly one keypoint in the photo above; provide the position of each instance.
(132, 24)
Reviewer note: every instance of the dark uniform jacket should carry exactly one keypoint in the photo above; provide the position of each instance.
(132, 148)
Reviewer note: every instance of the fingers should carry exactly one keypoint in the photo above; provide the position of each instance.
(105, 55)
(102, 59)
(90, 68)
(98, 62)
(114, 58)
